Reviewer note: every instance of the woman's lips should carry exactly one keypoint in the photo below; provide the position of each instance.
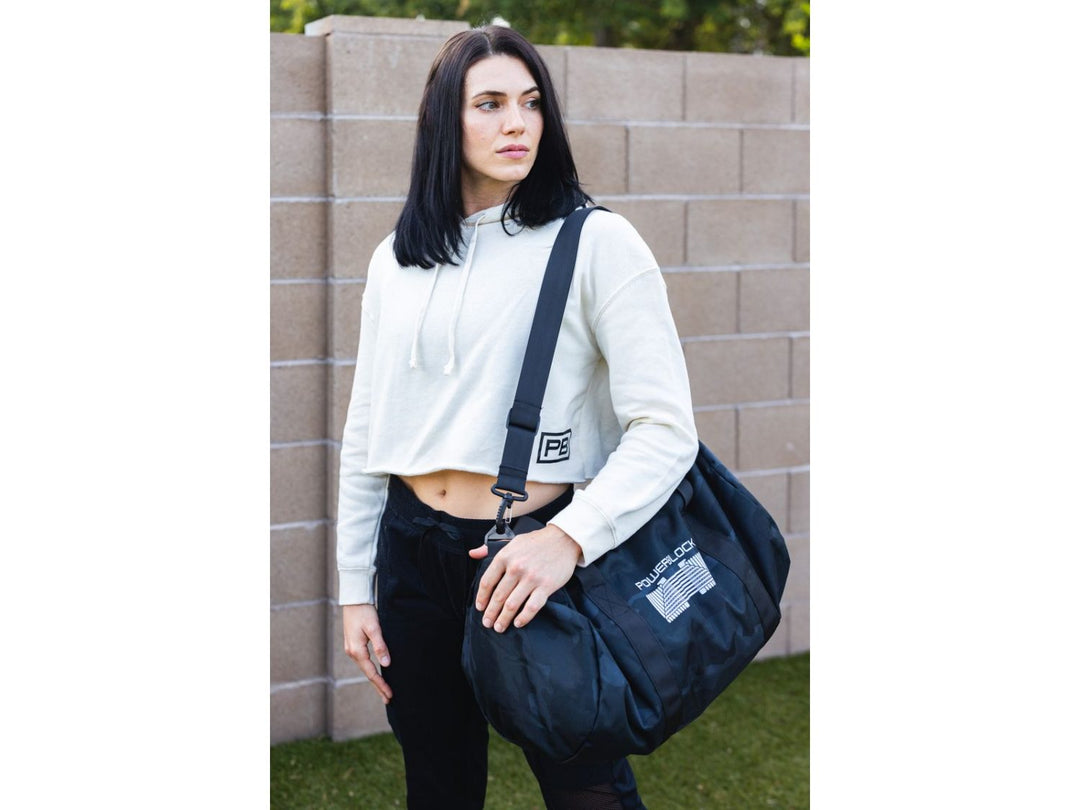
(515, 151)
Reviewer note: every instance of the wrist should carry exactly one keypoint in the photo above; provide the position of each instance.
(571, 543)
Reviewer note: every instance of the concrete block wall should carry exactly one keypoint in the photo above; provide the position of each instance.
(706, 154)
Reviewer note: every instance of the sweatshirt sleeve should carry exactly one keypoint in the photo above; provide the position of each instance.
(361, 497)
(650, 393)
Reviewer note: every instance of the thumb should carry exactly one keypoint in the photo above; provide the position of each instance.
(479, 552)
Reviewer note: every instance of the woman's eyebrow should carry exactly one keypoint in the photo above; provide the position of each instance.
(501, 94)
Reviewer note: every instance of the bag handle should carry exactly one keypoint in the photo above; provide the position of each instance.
(523, 420)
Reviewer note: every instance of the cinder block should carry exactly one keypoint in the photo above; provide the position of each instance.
(802, 230)
(333, 465)
(771, 489)
(356, 229)
(798, 614)
(717, 430)
(802, 90)
(600, 157)
(341, 667)
(298, 240)
(799, 510)
(800, 368)
(297, 483)
(703, 302)
(298, 713)
(345, 301)
(341, 380)
(297, 157)
(387, 26)
(297, 321)
(739, 231)
(378, 75)
(331, 573)
(624, 84)
(797, 588)
(776, 161)
(774, 436)
(297, 74)
(554, 57)
(723, 372)
(297, 564)
(777, 646)
(683, 160)
(298, 403)
(734, 88)
(661, 223)
(774, 300)
(371, 158)
(298, 643)
(356, 711)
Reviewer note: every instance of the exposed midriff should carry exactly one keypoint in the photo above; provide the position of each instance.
(468, 494)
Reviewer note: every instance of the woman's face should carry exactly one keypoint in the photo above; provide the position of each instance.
(501, 126)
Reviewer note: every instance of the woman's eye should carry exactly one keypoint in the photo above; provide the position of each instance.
(533, 104)
(487, 105)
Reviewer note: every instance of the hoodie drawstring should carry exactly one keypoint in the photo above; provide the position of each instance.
(456, 313)
(420, 318)
(460, 298)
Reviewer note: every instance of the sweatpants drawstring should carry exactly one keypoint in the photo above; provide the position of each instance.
(435, 531)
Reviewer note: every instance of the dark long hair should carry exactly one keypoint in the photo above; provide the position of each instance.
(428, 231)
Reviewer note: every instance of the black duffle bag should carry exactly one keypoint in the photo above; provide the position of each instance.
(642, 640)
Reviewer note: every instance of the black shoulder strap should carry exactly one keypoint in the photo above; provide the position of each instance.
(524, 417)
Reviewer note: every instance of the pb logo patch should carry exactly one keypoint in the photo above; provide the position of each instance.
(553, 447)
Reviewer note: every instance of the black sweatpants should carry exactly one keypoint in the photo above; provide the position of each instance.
(424, 579)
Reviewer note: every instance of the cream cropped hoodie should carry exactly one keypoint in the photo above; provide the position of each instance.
(437, 367)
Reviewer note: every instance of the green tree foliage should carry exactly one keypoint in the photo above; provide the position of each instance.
(779, 27)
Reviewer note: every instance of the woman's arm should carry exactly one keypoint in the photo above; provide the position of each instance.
(361, 498)
(650, 394)
(631, 319)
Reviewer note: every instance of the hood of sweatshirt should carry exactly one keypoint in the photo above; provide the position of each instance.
(470, 225)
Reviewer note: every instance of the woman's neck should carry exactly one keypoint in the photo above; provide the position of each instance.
(480, 199)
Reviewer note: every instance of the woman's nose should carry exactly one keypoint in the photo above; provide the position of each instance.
(514, 121)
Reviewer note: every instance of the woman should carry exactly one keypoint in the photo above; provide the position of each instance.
(445, 317)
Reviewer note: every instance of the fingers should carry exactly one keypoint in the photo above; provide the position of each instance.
(507, 599)
(518, 589)
(522, 603)
(363, 658)
(378, 646)
(489, 580)
(376, 680)
(532, 606)
(373, 675)
(380, 653)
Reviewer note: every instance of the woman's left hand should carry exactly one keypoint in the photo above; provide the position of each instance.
(523, 575)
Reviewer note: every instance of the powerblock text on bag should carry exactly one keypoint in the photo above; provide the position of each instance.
(640, 642)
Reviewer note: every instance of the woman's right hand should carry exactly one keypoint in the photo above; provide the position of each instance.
(361, 624)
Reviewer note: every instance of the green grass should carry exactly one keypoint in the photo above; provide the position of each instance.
(751, 749)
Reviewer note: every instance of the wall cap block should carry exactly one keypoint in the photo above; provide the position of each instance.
(347, 24)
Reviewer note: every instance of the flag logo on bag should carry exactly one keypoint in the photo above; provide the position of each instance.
(672, 594)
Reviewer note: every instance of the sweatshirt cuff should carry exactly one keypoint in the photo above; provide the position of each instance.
(356, 586)
(588, 527)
